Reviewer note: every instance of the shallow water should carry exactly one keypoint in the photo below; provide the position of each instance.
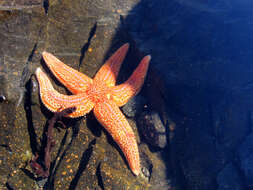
(194, 108)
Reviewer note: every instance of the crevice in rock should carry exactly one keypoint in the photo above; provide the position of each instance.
(99, 177)
(61, 153)
(83, 164)
(46, 5)
(25, 76)
(8, 186)
(29, 118)
(6, 147)
(87, 44)
(29, 174)
(147, 165)
(93, 125)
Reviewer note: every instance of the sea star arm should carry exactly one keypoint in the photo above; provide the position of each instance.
(56, 102)
(75, 81)
(109, 71)
(122, 93)
(110, 116)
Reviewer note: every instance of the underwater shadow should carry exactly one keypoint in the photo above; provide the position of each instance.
(74, 125)
(132, 59)
(193, 82)
(83, 164)
(195, 51)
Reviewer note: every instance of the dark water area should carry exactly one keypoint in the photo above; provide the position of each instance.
(192, 119)
(202, 54)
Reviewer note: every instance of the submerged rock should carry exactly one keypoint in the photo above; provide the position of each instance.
(229, 178)
(246, 158)
(134, 106)
(152, 129)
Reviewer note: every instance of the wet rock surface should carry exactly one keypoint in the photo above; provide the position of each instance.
(152, 129)
(199, 83)
(134, 106)
(84, 156)
(19, 4)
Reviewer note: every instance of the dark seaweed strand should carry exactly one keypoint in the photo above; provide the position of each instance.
(40, 169)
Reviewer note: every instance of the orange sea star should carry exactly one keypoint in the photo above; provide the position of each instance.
(99, 94)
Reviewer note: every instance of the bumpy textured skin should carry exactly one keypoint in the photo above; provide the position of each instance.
(99, 94)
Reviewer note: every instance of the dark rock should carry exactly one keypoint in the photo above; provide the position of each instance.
(153, 171)
(145, 172)
(134, 106)
(146, 165)
(2, 98)
(152, 129)
(229, 178)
